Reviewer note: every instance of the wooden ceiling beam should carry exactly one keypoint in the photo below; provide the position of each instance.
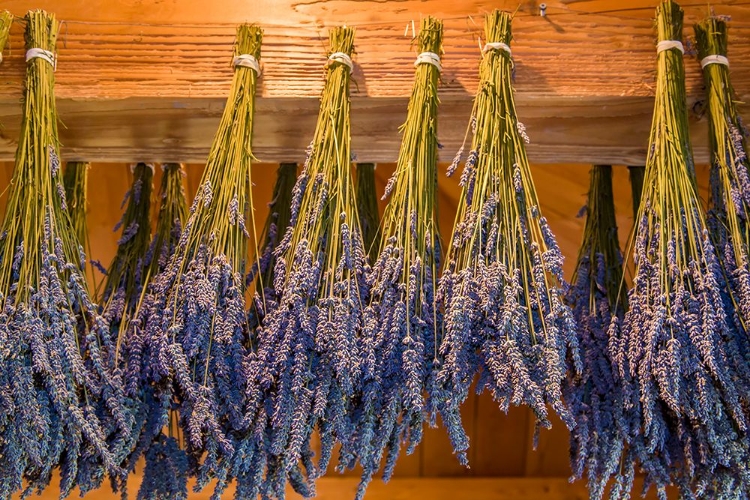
(147, 79)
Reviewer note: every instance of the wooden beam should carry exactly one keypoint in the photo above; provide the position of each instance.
(146, 79)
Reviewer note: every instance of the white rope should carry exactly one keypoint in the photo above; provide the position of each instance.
(496, 46)
(342, 58)
(42, 54)
(429, 58)
(1, 57)
(669, 44)
(714, 59)
(247, 61)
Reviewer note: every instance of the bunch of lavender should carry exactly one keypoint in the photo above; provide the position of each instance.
(307, 366)
(729, 205)
(279, 213)
(6, 20)
(55, 382)
(75, 181)
(595, 396)
(684, 377)
(125, 275)
(502, 289)
(729, 180)
(166, 467)
(367, 207)
(173, 213)
(193, 319)
(402, 320)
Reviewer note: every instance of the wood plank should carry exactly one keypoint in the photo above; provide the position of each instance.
(411, 488)
(147, 78)
(501, 442)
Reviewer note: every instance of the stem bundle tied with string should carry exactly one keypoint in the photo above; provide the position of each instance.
(595, 397)
(685, 382)
(367, 207)
(192, 322)
(502, 288)
(402, 320)
(55, 381)
(6, 20)
(729, 208)
(306, 368)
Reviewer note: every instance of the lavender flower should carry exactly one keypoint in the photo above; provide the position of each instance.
(502, 289)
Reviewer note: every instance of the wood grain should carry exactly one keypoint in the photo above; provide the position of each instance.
(146, 79)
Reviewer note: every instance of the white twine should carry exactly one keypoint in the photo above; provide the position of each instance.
(669, 44)
(42, 54)
(1, 57)
(247, 61)
(496, 46)
(714, 59)
(342, 58)
(429, 58)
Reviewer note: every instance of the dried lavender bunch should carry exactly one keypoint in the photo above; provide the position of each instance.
(401, 320)
(6, 20)
(192, 322)
(126, 273)
(595, 396)
(54, 378)
(307, 367)
(173, 213)
(367, 207)
(166, 470)
(728, 211)
(75, 181)
(675, 349)
(502, 289)
(279, 214)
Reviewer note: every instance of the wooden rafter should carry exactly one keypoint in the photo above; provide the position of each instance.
(146, 79)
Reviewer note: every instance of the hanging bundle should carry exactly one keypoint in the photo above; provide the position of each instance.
(6, 20)
(193, 318)
(126, 273)
(367, 207)
(729, 212)
(595, 397)
(173, 212)
(75, 181)
(674, 349)
(502, 289)
(54, 377)
(166, 469)
(279, 213)
(401, 321)
(306, 368)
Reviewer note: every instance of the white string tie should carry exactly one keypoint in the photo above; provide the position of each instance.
(669, 44)
(247, 61)
(714, 59)
(42, 54)
(343, 58)
(496, 46)
(429, 58)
